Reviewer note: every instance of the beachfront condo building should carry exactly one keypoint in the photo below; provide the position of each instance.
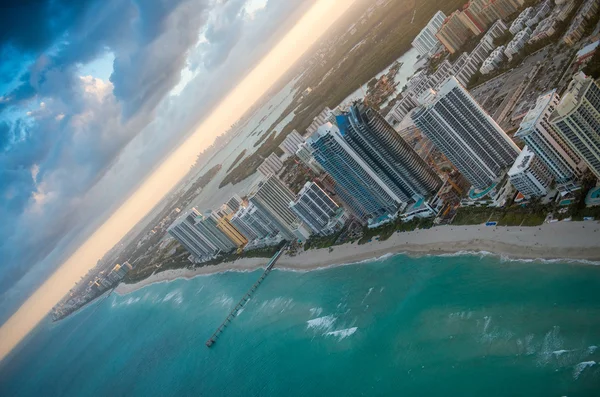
(426, 43)
(315, 207)
(393, 160)
(577, 120)
(273, 197)
(191, 238)
(460, 128)
(535, 130)
(529, 175)
(291, 143)
(207, 225)
(224, 224)
(360, 187)
(253, 223)
(271, 165)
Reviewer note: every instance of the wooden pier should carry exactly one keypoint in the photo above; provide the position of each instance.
(244, 300)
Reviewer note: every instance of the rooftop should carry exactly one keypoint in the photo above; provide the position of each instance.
(522, 162)
(534, 114)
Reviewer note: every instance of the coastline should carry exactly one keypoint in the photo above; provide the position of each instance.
(569, 241)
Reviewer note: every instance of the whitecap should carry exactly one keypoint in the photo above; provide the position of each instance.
(316, 311)
(279, 303)
(223, 300)
(367, 295)
(342, 333)
(579, 368)
(321, 323)
(561, 352)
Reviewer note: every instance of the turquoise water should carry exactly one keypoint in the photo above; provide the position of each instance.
(430, 326)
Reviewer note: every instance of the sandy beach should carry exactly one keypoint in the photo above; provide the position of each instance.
(578, 241)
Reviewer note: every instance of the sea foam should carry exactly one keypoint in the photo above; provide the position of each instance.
(342, 333)
(579, 368)
(321, 323)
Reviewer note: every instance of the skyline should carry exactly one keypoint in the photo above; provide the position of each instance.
(273, 66)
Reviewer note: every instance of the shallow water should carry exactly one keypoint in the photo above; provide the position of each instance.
(429, 326)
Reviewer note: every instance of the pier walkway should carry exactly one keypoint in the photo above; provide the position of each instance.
(244, 300)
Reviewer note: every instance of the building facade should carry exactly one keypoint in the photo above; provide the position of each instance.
(291, 143)
(237, 238)
(577, 120)
(460, 128)
(549, 147)
(426, 43)
(358, 186)
(314, 207)
(387, 154)
(271, 165)
(529, 175)
(207, 225)
(185, 232)
(273, 197)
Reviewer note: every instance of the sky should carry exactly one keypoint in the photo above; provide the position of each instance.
(95, 93)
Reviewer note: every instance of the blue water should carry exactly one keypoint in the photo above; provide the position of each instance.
(429, 326)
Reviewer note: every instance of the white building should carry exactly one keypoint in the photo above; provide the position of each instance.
(519, 23)
(291, 143)
(577, 120)
(529, 175)
(460, 128)
(517, 43)
(316, 209)
(541, 11)
(494, 61)
(273, 197)
(548, 146)
(271, 165)
(426, 43)
(543, 30)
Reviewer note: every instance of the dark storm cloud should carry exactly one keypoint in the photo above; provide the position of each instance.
(86, 142)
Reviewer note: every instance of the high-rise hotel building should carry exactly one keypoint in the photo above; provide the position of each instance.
(388, 155)
(363, 190)
(184, 230)
(273, 198)
(548, 145)
(529, 175)
(460, 128)
(314, 207)
(577, 120)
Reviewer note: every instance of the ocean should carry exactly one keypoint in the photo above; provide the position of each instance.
(463, 325)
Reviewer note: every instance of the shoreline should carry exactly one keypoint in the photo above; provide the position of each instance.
(560, 241)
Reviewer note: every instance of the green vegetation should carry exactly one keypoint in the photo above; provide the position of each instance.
(532, 215)
(384, 232)
(317, 242)
(237, 159)
(578, 210)
(264, 136)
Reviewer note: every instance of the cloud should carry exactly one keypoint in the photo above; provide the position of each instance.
(72, 146)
